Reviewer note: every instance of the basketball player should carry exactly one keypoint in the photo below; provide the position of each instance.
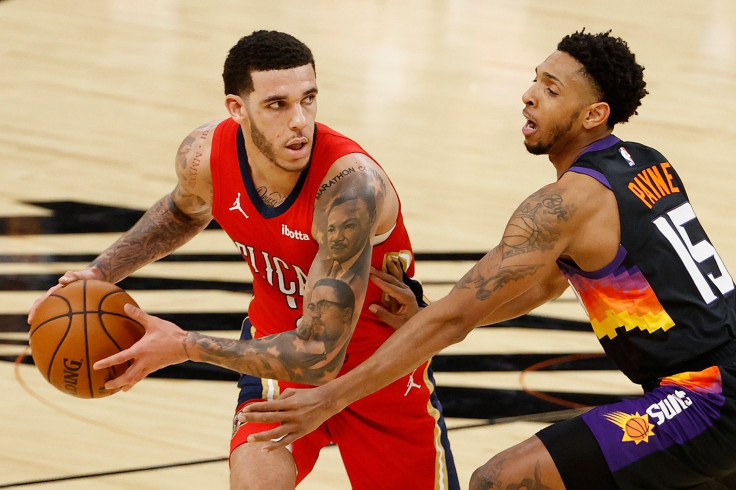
(269, 175)
(617, 224)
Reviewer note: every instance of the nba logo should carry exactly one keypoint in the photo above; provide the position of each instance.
(626, 156)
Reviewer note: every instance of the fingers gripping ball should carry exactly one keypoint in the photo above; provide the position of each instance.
(76, 326)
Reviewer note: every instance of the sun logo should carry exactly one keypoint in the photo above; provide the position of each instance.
(636, 427)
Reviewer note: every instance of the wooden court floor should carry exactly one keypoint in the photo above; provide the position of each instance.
(96, 95)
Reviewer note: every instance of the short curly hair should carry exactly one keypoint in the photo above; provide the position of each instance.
(262, 51)
(612, 68)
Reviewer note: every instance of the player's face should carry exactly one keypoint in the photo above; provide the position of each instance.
(554, 104)
(281, 111)
(348, 229)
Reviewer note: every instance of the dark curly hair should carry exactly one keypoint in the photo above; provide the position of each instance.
(261, 51)
(612, 68)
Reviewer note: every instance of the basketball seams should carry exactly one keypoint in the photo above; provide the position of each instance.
(59, 346)
(65, 346)
(101, 311)
(86, 341)
(68, 314)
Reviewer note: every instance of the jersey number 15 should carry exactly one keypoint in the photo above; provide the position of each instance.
(692, 254)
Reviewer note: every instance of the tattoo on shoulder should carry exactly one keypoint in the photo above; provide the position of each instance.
(183, 152)
(191, 153)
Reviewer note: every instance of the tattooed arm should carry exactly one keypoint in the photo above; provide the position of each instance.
(355, 202)
(167, 225)
(511, 279)
(173, 220)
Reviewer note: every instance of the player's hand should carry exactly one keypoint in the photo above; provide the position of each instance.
(400, 303)
(299, 411)
(162, 345)
(68, 278)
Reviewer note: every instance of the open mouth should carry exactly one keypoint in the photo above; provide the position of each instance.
(529, 127)
(297, 144)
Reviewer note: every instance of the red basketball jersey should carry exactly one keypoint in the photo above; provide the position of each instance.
(277, 243)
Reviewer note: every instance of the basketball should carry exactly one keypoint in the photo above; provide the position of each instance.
(636, 428)
(76, 326)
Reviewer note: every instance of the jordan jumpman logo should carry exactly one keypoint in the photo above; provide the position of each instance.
(236, 206)
(411, 384)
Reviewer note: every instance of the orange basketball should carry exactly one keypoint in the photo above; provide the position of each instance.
(76, 326)
(637, 428)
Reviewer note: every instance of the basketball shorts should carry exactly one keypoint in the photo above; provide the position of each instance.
(395, 438)
(680, 435)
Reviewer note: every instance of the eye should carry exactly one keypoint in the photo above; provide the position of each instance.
(551, 92)
(309, 99)
(277, 104)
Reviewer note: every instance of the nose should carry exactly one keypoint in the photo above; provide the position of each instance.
(528, 97)
(298, 118)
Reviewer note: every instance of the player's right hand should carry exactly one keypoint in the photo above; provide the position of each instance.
(68, 278)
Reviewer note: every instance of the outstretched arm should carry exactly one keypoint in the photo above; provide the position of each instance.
(355, 202)
(516, 276)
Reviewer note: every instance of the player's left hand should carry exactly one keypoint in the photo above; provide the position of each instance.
(401, 303)
(162, 345)
(299, 412)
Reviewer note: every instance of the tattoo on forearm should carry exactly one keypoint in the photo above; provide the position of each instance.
(484, 286)
(278, 356)
(160, 231)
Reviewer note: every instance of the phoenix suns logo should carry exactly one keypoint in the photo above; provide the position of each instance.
(636, 427)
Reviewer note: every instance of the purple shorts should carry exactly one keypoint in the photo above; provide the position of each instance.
(679, 435)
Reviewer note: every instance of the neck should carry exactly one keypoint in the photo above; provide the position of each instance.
(563, 158)
(273, 182)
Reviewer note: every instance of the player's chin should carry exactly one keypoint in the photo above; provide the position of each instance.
(298, 155)
(537, 148)
(291, 165)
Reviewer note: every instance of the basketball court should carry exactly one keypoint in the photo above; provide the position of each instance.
(96, 95)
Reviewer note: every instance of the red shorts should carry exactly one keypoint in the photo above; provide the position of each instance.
(394, 438)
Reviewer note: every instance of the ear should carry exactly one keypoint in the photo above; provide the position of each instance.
(236, 107)
(597, 115)
(347, 315)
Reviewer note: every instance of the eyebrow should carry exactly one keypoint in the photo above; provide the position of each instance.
(550, 76)
(276, 97)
